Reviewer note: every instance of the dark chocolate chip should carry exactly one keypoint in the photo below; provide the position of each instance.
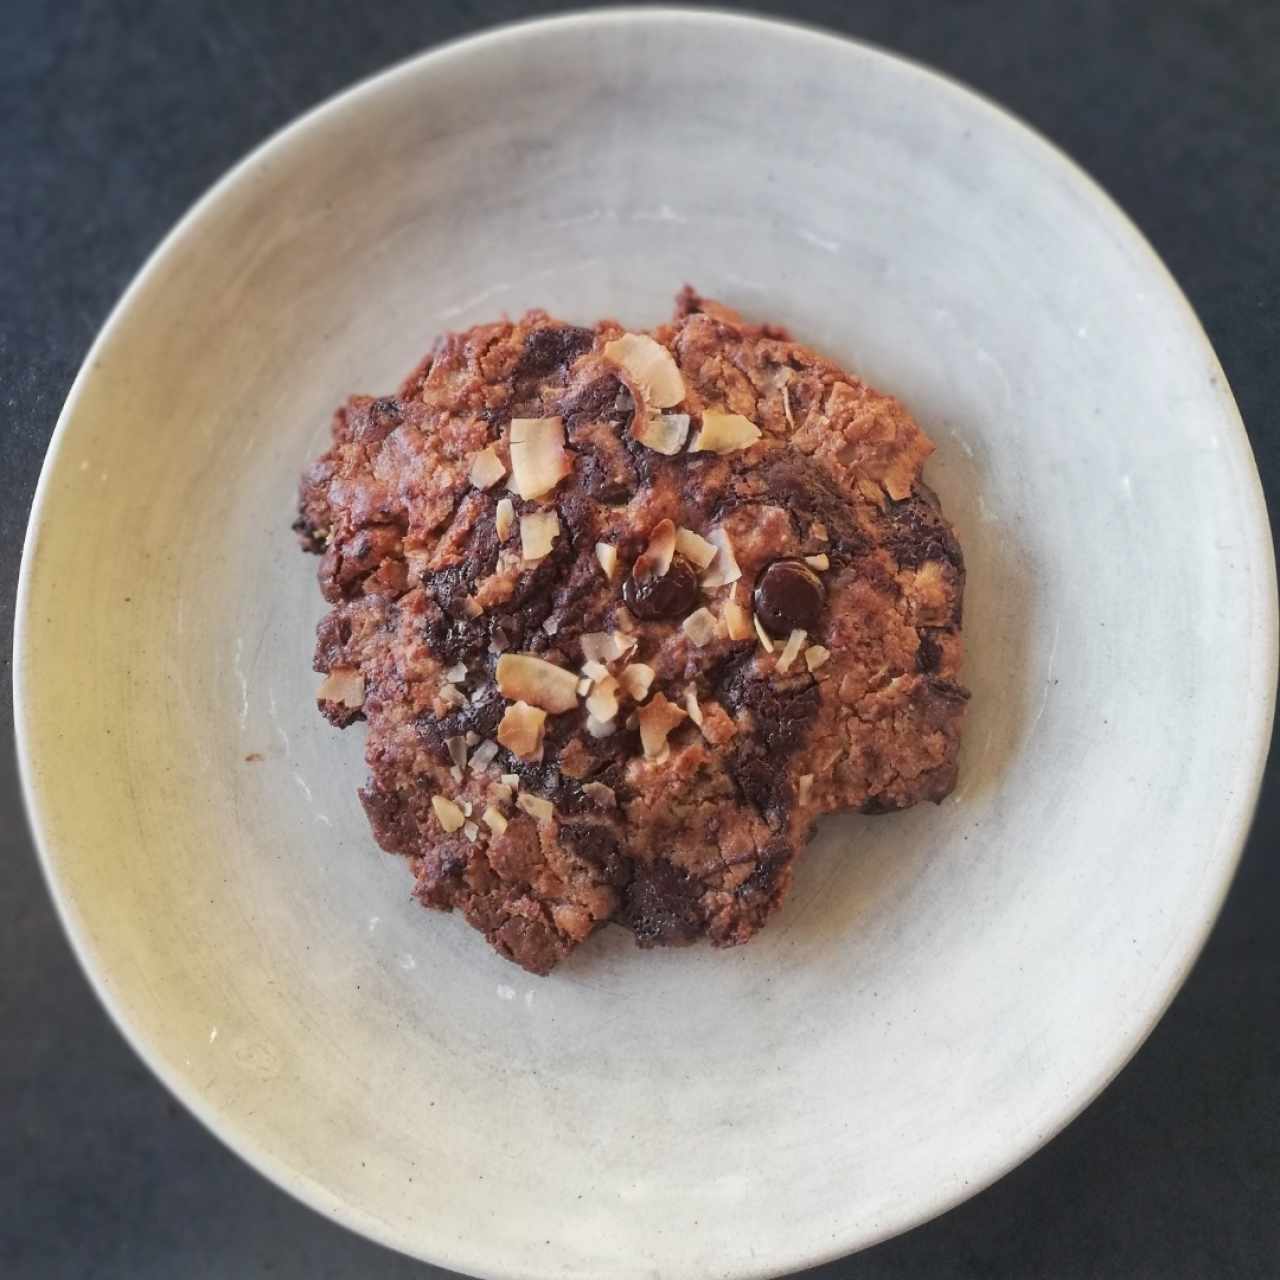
(671, 596)
(789, 596)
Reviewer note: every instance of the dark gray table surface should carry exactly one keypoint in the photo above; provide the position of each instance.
(116, 114)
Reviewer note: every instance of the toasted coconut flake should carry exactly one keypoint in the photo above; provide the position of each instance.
(818, 561)
(511, 780)
(815, 655)
(656, 558)
(600, 728)
(504, 518)
(584, 686)
(650, 366)
(599, 795)
(700, 627)
(818, 531)
(872, 492)
(602, 701)
(724, 433)
(636, 678)
(457, 746)
(737, 621)
(538, 533)
(664, 433)
(522, 677)
(607, 558)
(448, 815)
(344, 685)
(695, 549)
(521, 730)
(658, 717)
(535, 806)
(724, 568)
(451, 695)
(605, 647)
(791, 650)
(596, 670)
(486, 468)
(804, 788)
(717, 725)
(539, 460)
(493, 820)
(691, 706)
(786, 407)
(766, 643)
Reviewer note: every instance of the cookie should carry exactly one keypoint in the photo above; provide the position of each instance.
(625, 613)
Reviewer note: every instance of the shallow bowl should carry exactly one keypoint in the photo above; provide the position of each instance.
(945, 988)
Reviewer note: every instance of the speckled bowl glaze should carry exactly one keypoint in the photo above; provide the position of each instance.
(945, 988)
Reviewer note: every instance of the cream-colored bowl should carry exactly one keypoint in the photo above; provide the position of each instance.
(946, 988)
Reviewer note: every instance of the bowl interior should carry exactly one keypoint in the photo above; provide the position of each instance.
(945, 988)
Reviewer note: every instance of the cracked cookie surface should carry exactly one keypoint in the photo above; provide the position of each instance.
(625, 613)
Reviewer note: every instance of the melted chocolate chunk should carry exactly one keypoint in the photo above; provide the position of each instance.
(763, 880)
(552, 348)
(763, 785)
(915, 532)
(480, 718)
(661, 905)
(592, 401)
(929, 654)
(781, 713)
(809, 494)
(673, 595)
(454, 640)
(596, 842)
(781, 709)
(789, 596)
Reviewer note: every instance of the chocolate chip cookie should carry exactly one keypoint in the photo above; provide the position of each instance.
(625, 613)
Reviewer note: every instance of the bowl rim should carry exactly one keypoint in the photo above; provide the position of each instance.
(222, 1122)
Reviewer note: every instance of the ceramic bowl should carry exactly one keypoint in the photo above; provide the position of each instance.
(945, 988)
